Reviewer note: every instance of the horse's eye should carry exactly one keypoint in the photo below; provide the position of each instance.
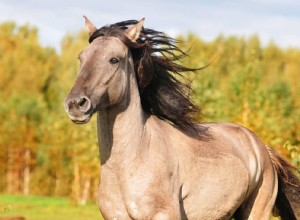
(114, 60)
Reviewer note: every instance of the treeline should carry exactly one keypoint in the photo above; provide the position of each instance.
(43, 153)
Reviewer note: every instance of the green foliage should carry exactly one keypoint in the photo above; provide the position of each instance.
(294, 153)
(34, 82)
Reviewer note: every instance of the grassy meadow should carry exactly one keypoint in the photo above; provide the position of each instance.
(46, 208)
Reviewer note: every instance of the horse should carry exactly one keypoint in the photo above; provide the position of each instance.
(157, 162)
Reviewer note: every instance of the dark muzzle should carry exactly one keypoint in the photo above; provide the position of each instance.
(78, 108)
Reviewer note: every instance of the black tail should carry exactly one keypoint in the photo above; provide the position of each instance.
(287, 205)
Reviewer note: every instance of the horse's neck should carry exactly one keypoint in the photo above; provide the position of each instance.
(120, 129)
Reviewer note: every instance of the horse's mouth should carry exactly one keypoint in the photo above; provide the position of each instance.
(82, 120)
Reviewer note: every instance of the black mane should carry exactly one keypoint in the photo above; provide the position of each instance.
(162, 94)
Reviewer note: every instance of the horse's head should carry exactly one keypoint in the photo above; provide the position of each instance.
(103, 75)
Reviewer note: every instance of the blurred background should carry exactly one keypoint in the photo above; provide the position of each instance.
(49, 167)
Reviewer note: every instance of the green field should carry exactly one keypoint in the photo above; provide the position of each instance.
(46, 208)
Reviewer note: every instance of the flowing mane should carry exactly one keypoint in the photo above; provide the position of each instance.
(154, 55)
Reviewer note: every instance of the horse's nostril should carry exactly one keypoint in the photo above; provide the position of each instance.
(78, 106)
(82, 102)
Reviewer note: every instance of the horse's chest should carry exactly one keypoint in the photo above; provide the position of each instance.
(110, 198)
(131, 196)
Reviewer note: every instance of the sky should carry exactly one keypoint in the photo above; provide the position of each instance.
(272, 20)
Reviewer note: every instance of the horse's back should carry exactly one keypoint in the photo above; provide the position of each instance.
(241, 143)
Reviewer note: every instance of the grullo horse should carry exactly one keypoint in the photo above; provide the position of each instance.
(156, 161)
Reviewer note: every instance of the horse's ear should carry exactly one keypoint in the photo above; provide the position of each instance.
(134, 31)
(89, 25)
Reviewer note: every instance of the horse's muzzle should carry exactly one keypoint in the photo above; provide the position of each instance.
(79, 109)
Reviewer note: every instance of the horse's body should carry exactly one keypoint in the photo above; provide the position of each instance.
(169, 173)
(151, 169)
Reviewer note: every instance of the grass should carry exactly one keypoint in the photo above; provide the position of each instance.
(46, 208)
